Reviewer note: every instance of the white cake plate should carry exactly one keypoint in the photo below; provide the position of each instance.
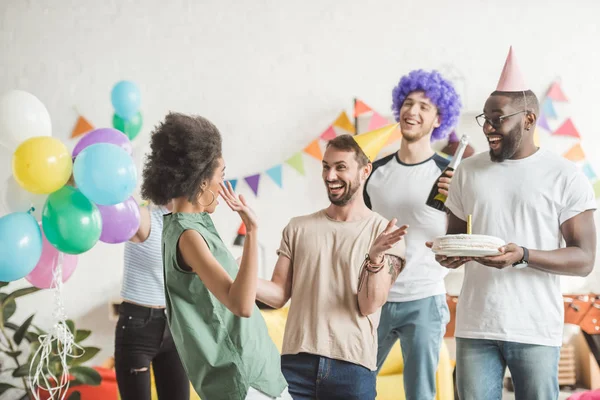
(468, 252)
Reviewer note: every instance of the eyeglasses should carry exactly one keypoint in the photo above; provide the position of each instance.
(495, 123)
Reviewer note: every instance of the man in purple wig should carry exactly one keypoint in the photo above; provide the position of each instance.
(427, 107)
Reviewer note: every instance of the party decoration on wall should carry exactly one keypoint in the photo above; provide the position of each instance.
(328, 134)
(557, 124)
(126, 100)
(314, 150)
(361, 108)
(233, 183)
(20, 245)
(296, 162)
(377, 121)
(253, 181)
(42, 164)
(82, 126)
(22, 116)
(275, 174)
(343, 122)
(555, 93)
(567, 129)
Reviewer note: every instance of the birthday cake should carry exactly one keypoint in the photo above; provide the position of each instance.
(464, 245)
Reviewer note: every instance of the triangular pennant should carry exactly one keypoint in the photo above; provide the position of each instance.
(360, 108)
(233, 183)
(556, 93)
(343, 122)
(372, 142)
(314, 150)
(597, 189)
(296, 162)
(377, 121)
(395, 136)
(253, 181)
(328, 134)
(548, 109)
(81, 127)
(543, 123)
(242, 229)
(589, 172)
(567, 129)
(575, 153)
(275, 174)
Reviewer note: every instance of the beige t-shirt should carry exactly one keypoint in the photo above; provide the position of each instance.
(324, 317)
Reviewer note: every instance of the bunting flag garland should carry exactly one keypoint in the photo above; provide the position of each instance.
(555, 93)
(296, 162)
(567, 129)
(314, 150)
(344, 123)
(275, 174)
(329, 133)
(361, 108)
(377, 121)
(82, 126)
(253, 181)
(233, 183)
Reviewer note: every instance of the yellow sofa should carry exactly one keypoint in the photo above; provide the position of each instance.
(390, 382)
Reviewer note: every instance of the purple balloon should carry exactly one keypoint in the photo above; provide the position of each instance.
(120, 221)
(104, 135)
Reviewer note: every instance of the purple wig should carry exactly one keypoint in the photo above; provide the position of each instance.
(438, 90)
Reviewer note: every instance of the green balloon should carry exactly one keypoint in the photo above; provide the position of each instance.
(131, 127)
(71, 222)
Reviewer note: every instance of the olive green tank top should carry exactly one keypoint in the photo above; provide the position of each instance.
(222, 353)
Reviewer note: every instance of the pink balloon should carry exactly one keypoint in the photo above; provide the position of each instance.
(42, 274)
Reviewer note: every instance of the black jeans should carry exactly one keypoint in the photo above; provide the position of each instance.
(142, 338)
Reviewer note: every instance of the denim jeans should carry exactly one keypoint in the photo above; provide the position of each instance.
(420, 325)
(142, 338)
(481, 364)
(311, 376)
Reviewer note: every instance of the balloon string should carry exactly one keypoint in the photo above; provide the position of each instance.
(57, 345)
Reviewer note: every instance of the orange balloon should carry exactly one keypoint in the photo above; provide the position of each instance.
(42, 164)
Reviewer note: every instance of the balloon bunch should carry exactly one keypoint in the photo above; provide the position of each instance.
(126, 100)
(78, 199)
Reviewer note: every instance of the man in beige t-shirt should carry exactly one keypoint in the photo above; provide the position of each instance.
(337, 266)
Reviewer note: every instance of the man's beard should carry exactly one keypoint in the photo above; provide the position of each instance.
(510, 144)
(350, 190)
(415, 137)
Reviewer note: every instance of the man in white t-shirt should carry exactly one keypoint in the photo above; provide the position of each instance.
(510, 310)
(427, 107)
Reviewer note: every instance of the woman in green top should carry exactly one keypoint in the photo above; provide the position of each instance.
(219, 333)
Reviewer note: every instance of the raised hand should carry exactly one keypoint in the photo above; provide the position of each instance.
(239, 205)
(386, 240)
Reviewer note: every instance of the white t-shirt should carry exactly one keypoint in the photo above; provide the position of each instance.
(398, 190)
(524, 202)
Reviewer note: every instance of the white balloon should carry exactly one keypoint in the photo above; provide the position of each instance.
(22, 116)
(17, 199)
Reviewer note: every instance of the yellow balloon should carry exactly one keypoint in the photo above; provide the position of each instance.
(42, 164)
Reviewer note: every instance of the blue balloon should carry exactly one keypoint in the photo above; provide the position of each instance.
(20, 245)
(105, 174)
(126, 99)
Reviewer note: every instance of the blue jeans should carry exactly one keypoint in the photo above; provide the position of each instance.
(420, 325)
(481, 364)
(311, 376)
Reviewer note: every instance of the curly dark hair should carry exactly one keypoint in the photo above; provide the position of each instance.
(439, 90)
(347, 143)
(185, 151)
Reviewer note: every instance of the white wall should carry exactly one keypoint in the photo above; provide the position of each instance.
(272, 75)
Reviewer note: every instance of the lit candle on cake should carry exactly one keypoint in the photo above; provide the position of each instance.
(469, 224)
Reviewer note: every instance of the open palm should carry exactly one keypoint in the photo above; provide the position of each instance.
(239, 205)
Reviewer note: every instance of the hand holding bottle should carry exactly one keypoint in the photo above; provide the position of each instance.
(444, 182)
